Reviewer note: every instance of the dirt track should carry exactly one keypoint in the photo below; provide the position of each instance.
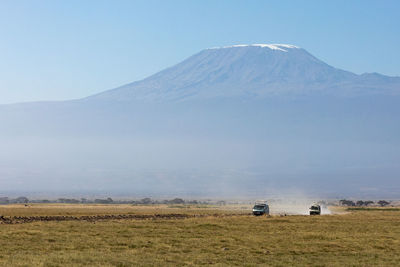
(93, 218)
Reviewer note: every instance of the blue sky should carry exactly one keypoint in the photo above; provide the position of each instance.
(55, 50)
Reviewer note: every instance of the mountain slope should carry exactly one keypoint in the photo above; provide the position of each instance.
(251, 71)
(239, 120)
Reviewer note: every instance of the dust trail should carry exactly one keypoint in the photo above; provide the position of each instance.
(295, 206)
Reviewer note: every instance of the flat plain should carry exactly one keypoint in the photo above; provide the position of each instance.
(162, 235)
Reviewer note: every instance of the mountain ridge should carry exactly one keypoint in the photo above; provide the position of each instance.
(259, 70)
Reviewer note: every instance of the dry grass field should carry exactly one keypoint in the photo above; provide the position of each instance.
(220, 236)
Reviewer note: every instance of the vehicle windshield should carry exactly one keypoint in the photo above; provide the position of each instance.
(314, 208)
(259, 207)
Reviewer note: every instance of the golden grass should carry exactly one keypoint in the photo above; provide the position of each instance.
(104, 209)
(359, 238)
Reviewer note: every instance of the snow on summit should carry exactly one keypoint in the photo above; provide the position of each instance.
(281, 47)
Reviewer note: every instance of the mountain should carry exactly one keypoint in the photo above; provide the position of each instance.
(243, 120)
(259, 70)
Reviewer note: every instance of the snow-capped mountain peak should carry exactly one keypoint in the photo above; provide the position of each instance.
(255, 70)
(280, 47)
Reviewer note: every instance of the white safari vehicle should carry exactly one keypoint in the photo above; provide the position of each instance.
(315, 209)
(260, 208)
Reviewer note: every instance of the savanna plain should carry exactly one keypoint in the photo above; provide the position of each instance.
(176, 235)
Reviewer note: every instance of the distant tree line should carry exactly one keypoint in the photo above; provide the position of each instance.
(175, 201)
(361, 203)
(18, 200)
(144, 201)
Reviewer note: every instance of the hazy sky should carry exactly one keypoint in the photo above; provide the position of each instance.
(54, 50)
